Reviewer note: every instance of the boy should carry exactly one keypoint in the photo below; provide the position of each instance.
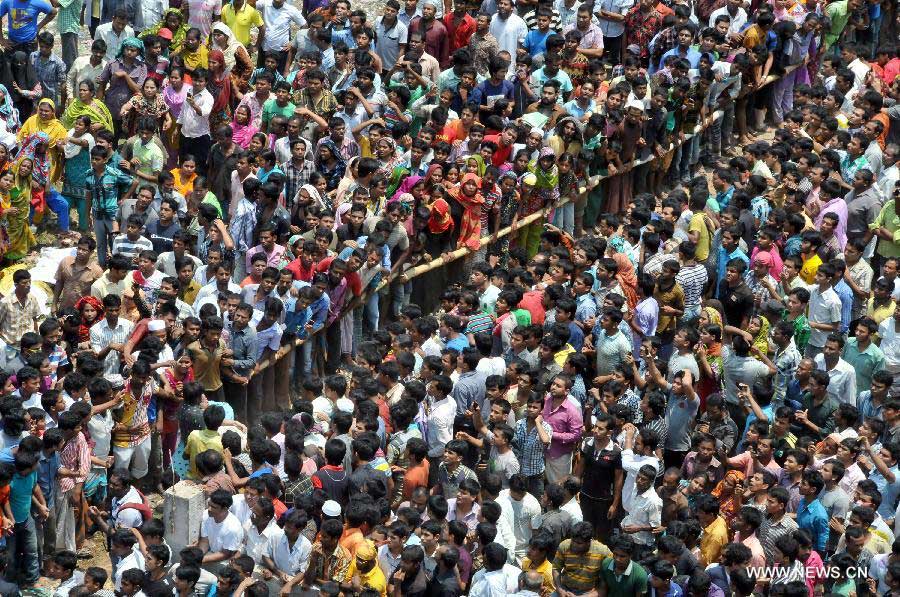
(62, 568)
(49, 67)
(201, 440)
(451, 471)
(23, 489)
(280, 105)
(132, 242)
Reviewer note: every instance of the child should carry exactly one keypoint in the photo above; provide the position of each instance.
(201, 440)
(53, 404)
(62, 568)
(95, 579)
(23, 489)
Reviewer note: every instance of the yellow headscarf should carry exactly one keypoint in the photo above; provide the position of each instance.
(54, 129)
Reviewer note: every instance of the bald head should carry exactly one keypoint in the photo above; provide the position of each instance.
(531, 581)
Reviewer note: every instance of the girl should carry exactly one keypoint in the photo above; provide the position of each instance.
(77, 152)
(397, 108)
(258, 142)
(564, 215)
(709, 359)
(467, 195)
(190, 418)
(91, 310)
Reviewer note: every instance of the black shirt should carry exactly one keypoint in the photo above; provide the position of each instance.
(737, 302)
(599, 470)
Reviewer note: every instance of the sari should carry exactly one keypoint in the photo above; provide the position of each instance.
(406, 187)
(346, 183)
(77, 170)
(480, 161)
(199, 58)
(387, 167)
(470, 227)
(220, 88)
(54, 130)
(335, 173)
(177, 35)
(728, 507)
(96, 111)
(21, 239)
(156, 108)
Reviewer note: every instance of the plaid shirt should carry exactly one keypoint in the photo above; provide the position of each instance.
(51, 72)
(299, 488)
(68, 19)
(529, 448)
(296, 178)
(17, 318)
(105, 191)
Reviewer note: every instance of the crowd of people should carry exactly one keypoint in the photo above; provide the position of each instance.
(660, 354)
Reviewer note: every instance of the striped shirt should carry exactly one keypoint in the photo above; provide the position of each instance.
(102, 336)
(75, 456)
(480, 322)
(692, 279)
(579, 573)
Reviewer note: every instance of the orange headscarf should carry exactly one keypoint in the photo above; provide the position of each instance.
(470, 230)
(440, 220)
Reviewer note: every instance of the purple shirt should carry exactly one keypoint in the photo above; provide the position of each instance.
(837, 206)
(567, 424)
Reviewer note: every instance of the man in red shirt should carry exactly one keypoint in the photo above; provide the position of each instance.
(304, 266)
(504, 141)
(460, 26)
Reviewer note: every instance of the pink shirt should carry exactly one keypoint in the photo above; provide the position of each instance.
(745, 461)
(567, 424)
(758, 557)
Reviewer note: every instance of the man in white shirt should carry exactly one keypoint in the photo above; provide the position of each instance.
(842, 375)
(523, 509)
(278, 16)
(121, 549)
(221, 534)
(291, 550)
(508, 28)
(86, 68)
(645, 513)
(262, 534)
(115, 32)
(441, 414)
(824, 310)
(194, 120)
(497, 577)
(637, 451)
(734, 11)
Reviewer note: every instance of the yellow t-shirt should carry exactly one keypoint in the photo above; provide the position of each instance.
(374, 579)
(200, 441)
(545, 570)
(809, 269)
(698, 225)
(241, 23)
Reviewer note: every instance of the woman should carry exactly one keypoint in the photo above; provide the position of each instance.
(330, 163)
(91, 310)
(21, 239)
(709, 359)
(729, 504)
(174, 95)
(149, 102)
(185, 175)
(237, 60)
(386, 153)
(122, 78)
(173, 20)
(411, 185)
(194, 53)
(87, 104)
(77, 152)
(470, 199)
(242, 129)
(219, 85)
(37, 148)
(625, 275)
(45, 121)
(347, 182)
(24, 84)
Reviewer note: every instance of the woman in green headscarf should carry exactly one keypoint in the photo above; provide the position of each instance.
(87, 104)
(475, 165)
(175, 21)
(21, 238)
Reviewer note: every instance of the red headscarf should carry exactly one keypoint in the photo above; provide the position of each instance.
(84, 330)
(470, 230)
(440, 220)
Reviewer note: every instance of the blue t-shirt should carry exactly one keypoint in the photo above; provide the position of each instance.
(20, 490)
(23, 18)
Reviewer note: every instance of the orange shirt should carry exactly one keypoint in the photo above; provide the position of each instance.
(416, 476)
(351, 539)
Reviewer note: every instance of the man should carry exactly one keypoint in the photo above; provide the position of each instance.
(508, 28)
(274, 38)
(195, 134)
(824, 310)
(108, 336)
(776, 522)
(241, 17)
(620, 575)
(162, 231)
(75, 275)
(715, 530)
(591, 44)
(579, 561)
(842, 376)
(862, 354)
(816, 419)
(23, 23)
(243, 344)
(811, 514)
(565, 419)
(221, 534)
(437, 42)
(645, 510)
(131, 437)
(86, 68)
(291, 550)
(50, 69)
(521, 508)
(20, 311)
(391, 34)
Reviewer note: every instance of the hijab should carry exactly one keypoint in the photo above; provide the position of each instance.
(626, 275)
(761, 340)
(22, 73)
(131, 42)
(177, 35)
(440, 221)
(406, 187)
(84, 331)
(41, 164)
(231, 47)
(728, 508)
(242, 133)
(470, 228)
(220, 85)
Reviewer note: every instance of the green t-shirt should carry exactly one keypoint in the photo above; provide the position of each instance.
(271, 108)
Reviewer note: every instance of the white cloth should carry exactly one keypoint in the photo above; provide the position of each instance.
(195, 125)
(293, 560)
(841, 380)
(632, 463)
(259, 545)
(440, 424)
(520, 514)
(509, 33)
(128, 518)
(113, 40)
(737, 21)
(70, 150)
